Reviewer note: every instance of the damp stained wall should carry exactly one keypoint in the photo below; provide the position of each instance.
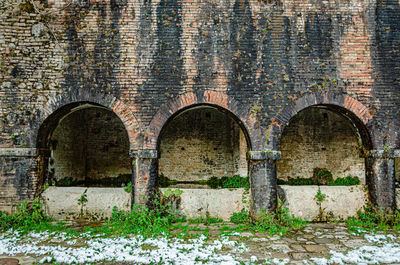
(320, 138)
(264, 55)
(201, 143)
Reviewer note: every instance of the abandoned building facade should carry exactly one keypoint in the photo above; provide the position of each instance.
(99, 93)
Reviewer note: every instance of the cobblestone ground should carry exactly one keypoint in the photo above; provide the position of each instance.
(301, 247)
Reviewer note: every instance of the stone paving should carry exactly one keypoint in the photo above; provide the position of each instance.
(314, 241)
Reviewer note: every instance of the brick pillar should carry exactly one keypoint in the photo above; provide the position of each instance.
(145, 176)
(263, 180)
(18, 170)
(381, 178)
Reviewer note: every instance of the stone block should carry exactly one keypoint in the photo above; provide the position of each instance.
(340, 202)
(61, 203)
(217, 202)
(343, 201)
(300, 200)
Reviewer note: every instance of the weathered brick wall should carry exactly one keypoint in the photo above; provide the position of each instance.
(397, 168)
(263, 55)
(89, 146)
(319, 138)
(202, 143)
(270, 58)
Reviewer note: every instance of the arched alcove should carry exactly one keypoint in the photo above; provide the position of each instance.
(84, 144)
(201, 142)
(323, 137)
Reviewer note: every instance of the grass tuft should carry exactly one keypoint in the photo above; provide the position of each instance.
(374, 219)
(279, 222)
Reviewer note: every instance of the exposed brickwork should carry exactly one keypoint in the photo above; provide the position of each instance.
(320, 138)
(89, 146)
(397, 169)
(186, 100)
(353, 109)
(263, 61)
(200, 144)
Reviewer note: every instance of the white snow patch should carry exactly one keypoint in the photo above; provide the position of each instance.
(385, 250)
(134, 249)
(277, 261)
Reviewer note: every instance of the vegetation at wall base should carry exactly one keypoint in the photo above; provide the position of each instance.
(347, 181)
(141, 220)
(279, 222)
(206, 220)
(28, 216)
(373, 219)
(214, 182)
(162, 218)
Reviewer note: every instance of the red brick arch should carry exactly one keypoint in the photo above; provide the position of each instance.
(350, 107)
(124, 113)
(189, 99)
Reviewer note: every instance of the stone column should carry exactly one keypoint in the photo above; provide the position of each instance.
(381, 178)
(145, 176)
(263, 180)
(133, 154)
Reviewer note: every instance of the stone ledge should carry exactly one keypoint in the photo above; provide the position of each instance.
(18, 152)
(61, 203)
(379, 153)
(301, 201)
(214, 202)
(265, 155)
(147, 154)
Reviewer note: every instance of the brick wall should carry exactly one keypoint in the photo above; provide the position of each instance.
(397, 168)
(90, 143)
(269, 58)
(319, 138)
(202, 143)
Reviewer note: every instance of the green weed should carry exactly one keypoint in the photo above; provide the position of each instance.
(347, 181)
(214, 182)
(127, 187)
(230, 182)
(141, 220)
(28, 216)
(373, 219)
(205, 220)
(82, 201)
(279, 222)
(319, 197)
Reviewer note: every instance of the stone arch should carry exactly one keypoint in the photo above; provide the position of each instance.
(58, 102)
(345, 105)
(214, 98)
